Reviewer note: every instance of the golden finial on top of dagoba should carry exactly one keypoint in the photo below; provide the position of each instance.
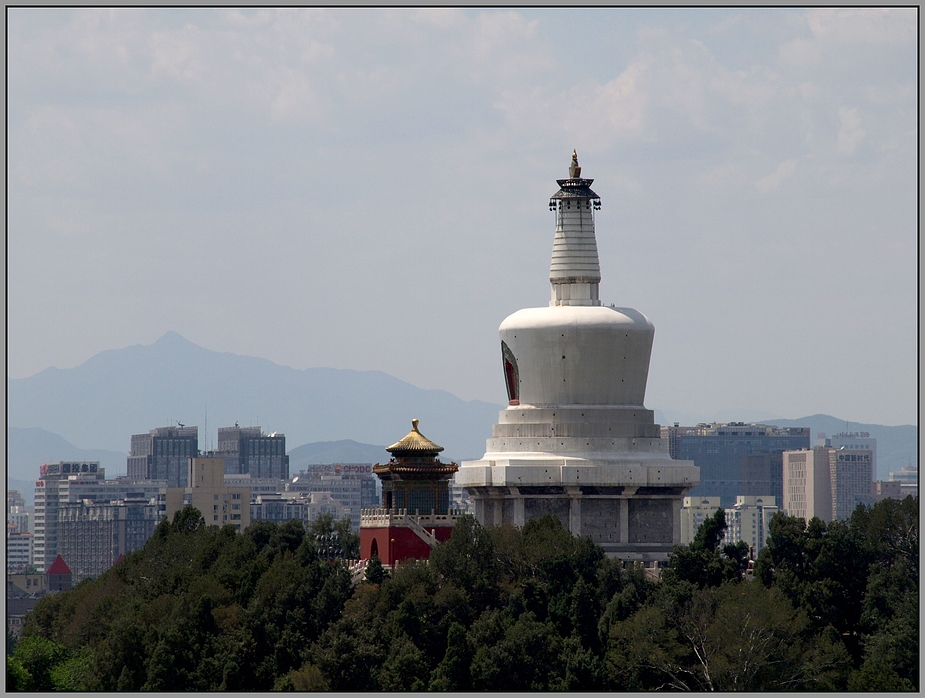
(574, 169)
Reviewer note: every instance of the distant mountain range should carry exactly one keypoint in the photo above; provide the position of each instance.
(91, 411)
(897, 447)
(345, 451)
(117, 393)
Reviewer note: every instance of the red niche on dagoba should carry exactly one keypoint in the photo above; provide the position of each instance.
(415, 512)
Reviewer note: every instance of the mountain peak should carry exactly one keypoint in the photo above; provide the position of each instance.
(171, 337)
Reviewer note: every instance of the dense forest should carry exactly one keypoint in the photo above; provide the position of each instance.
(828, 607)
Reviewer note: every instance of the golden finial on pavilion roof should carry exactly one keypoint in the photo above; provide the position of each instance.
(415, 441)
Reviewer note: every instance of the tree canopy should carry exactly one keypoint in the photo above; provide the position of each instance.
(833, 607)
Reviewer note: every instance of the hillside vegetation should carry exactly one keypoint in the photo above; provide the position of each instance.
(832, 607)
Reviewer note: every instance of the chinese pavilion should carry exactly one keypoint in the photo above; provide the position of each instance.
(415, 512)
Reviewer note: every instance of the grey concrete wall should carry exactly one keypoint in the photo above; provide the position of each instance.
(651, 521)
(536, 508)
(600, 519)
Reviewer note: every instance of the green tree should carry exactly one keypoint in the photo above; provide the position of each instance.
(74, 673)
(468, 560)
(39, 656)
(452, 674)
(375, 572)
(525, 658)
(405, 667)
(18, 677)
(704, 562)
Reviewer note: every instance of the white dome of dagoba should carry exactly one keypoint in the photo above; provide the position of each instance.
(576, 440)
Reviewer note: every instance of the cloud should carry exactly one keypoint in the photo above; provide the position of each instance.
(597, 116)
(773, 180)
(832, 29)
(850, 134)
(863, 26)
(178, 55)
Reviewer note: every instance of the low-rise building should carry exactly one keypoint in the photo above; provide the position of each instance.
(749, 521)
(908, 478)
(694, 510)
(219, 505)
(305, 507)
(352, 485)
(18, 549)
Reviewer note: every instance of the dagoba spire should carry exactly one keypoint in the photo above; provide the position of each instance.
(575, 271)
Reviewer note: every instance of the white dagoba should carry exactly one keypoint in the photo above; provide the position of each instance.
(576, 439)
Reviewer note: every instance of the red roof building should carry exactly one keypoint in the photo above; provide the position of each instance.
(59, 575)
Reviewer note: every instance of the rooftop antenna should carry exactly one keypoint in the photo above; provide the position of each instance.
(206, 427)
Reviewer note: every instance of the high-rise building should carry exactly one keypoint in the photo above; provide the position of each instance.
(807, 483)
(163, 454)
(18, 512)
(219, 505)
(247, 450)
(92, 536)
(736, 458)
(852, 478)
(576, 440)
(826, 482)
(70, 483)
(64, 476)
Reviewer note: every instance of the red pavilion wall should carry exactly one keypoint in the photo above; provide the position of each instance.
(397, 543)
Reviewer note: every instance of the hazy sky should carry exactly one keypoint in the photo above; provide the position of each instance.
(368, 189)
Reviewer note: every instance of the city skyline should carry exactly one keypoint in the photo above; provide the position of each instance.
(299, 185)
